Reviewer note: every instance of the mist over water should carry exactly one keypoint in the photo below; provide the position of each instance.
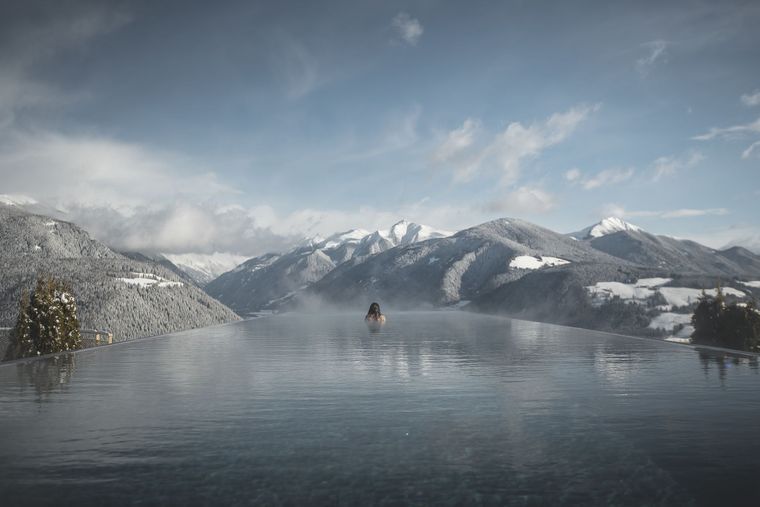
(434, 407)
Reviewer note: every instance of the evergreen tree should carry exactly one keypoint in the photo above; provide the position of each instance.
(733, 326)
(47, 321)
(706, 319)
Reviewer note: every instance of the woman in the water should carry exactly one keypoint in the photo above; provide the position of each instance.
(374, 315)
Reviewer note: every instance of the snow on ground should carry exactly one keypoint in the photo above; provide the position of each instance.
(608, 290)
(535, 262)
(648, 287)
(142, 282)
(755, 284)
(148, 280)
(683, 335)
(651, 282)
(684, 296)
(669, 320)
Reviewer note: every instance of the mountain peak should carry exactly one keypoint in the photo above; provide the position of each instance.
(398, 231)
(340, 238)
(609, 225)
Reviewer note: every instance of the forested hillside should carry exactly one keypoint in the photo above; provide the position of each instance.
(131, 298)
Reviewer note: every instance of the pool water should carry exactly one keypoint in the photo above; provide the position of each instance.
(445, 408)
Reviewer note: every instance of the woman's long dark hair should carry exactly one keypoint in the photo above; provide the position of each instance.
(374, 311)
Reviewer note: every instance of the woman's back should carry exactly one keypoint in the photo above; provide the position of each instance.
(374, 314)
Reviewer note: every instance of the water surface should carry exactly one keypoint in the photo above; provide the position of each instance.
(446, 408)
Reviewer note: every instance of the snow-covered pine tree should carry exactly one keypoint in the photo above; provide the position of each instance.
(48, 323)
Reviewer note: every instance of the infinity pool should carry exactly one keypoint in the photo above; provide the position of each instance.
(447, 408)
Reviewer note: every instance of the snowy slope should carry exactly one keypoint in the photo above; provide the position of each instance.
(133, 298)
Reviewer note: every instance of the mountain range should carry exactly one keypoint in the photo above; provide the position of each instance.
(507, 266)
(510, 266)
(268, 281)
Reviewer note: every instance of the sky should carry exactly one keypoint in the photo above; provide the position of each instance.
(244, 126)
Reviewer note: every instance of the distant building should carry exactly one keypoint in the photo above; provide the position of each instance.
(95, 337)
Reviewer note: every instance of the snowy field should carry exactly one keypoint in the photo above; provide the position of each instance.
(535, 262)
(148, 280)
(648, 287)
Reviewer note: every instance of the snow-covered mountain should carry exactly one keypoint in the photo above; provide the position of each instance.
(133, 298)
(629, 242)
(202, 268)
(266, 281)
(401, 233)
(449, 270)
(609, 225)
(511, 266)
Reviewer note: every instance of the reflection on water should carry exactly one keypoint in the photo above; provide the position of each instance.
(723, 361)
(442, 408)
(47, 375)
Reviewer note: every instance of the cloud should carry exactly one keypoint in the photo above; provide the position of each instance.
(526, 199)
(668, 166)
(508, 150)
(407, 28)
(748, 152)
(722, 237)
(619, 211)
(457, 141)
(751, 99)
(613, 210)
(732, 133)
(178, 227)
(573, 175)
(736, 131)
(135, 197)
(690, 212)
(656, 52)
(94, 169)
(747, 237)
(608, 177)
